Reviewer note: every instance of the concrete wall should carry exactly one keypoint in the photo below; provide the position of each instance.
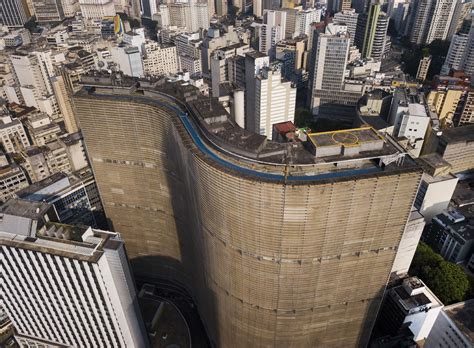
(268, 264)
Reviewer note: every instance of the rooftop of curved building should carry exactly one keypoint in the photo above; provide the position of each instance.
(216, 134)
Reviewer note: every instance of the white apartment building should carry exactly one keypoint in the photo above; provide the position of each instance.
(159, 59)
(12, 14)
(455, 53)
(441, 20)
(97, 9)
(162, 16)
(70, 7)
(272, 30)
(467, 62)
(255, 61)
(431, 20)
(408, 243)
(129, 60)
(330, 52)
(414, 304)
(28, 71)
(12, 180)
(66, 285)
(12, 134)
(434, 194)
(220, 66)
(349, 19)
(275, 101)
(257, 6)
(453, 327)
(192, 16)
(304, 19)
(410, 119)
(33, 73)
(199, 16)
(47, 11)
(188, 47)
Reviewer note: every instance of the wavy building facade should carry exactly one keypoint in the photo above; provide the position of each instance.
(280, 245)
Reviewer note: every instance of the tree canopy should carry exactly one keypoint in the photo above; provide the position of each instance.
(411, 57)
(447, 280)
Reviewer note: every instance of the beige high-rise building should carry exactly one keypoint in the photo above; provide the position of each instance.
(467, 115)
(445, 103)
(97, 9)
(338, 5)
(280, 246)
(423, 68)
(64, 104)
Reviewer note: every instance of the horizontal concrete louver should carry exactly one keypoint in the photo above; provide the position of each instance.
(268, 264)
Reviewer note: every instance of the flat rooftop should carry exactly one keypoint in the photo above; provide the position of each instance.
(464, 193)
(214, 132)
(40, 185)
(346, 137)
(78, 242)
(459, 134)
(462, 314)
(462, 230)
(256, 54)
(412, 301)
(27, 209)
(413, 294)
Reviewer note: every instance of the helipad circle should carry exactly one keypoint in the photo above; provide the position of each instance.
(345, 138)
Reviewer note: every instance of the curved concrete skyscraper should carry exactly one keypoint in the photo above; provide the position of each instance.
(280, 245)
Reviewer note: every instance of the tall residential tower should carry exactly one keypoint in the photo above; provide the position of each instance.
(371, 33)
(13, 13)
(279, 244)
(430, 20)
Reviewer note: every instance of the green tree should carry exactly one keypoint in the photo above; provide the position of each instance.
(233, 11)
(447, 281)
(424, 256)
(471, 287)
(303, 117)
(31, 24)
(134, 23)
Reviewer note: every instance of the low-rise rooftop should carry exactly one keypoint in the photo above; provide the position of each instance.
(21, 208)
(413, 296)
(32, 225)
(462, 314)
(458, 134)
(346, 142)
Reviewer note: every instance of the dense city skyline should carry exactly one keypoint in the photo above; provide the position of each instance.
(237, 173)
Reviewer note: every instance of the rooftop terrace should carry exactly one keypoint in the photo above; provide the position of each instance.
(52, 237)
(217, 135)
